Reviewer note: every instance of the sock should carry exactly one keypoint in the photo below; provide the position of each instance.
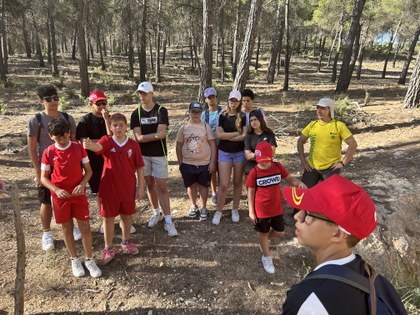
(168, 219)
(46, 230)
(74, 258)
(88, 258)
(213, 194)
(157, 211)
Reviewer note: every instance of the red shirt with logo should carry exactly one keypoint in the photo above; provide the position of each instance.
(65, 164)
(121, 161)
(268, 191)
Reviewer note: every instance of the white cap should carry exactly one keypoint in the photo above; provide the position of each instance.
(145, 87)
(235, 94)
(327, 102)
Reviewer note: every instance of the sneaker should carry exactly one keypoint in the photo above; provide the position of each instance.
(154, 220)
(214, 199)
(268, 264)
(47, 241)
(130, 248)
(77, 268)
(109, 254)
(235, 215)
(132, 229)
(101, 229)
(170, 228)
(93, 269)
(193, 211)
(216, 218)
(76, 233)
(203, 214)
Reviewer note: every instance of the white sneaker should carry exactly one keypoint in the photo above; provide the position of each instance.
(216, 218)
(193, 211)
(268, 264)
(132, 229)
(47, 241)
(235, 215)
(77, 268)
(94, 270)
(101, 229)
(203, 214)
(76, 233)
(170, 228)
(154, 220)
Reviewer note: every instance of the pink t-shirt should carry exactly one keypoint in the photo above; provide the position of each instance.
(196, 149)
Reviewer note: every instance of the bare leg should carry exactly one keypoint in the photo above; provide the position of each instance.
(225, 170)
(192, 194)
(45, 212)
(109, 231)
(126, 221)
(238, 173)
(151, 191)
(204, 192)
(263, 238)
(163, 195)
(68, 238)
(84, 227)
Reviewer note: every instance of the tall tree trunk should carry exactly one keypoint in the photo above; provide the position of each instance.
(332, 48)
(397, 51)
(248, 46)
(355, 53)
(81, 8)
(235, 47)
(74, 45)
(4, 37)
(275, 41)
(3, 76)
(287, 48)
(25, 36)
(49, 55)
(158, 40)
(100, 48)
(143, 43)
(321, 52)
(337, 52)
(164, 46)
(412, 97)
(403, 75)
(346, 71)
(391, 43)
(51, 16)
(314, 45)
(279, 63)
(360, 61)
(207, 61)
(38, 48)
(152, 63)
(257, 55)
(129, 25)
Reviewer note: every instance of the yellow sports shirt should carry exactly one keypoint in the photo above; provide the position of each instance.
(325, 140)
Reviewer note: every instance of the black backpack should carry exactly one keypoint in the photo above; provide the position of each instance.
(41, 125)
(383, 299)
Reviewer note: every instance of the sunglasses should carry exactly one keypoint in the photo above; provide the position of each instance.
(307, 214)
(49, 99)
(101, 103)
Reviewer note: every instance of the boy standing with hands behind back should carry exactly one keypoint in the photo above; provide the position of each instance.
(117, 190)
(264, 199)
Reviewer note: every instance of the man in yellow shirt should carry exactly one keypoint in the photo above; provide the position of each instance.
(326, 135)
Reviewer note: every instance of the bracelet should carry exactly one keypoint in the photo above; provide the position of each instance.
(342, 164)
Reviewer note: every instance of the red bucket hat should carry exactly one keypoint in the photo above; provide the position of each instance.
(342, 201)
(263, 152)
(97, 95)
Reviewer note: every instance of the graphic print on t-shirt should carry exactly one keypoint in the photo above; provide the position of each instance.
(149, 120)
(194, 144)
(269, 180)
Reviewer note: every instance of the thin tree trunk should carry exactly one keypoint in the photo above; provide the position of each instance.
(403, 75)
(412, 96)
(346, 71)
(257, 55)
(4, 39)
(248, 46)
(129, 25)
(388, 52)
(275, 42)
(158, 40)
(143, 43)
(83, 64)
(397, 51)
(74, 46)
(165, 44)
(25, 35)
(207, 62)
(38, 45)
(100, 49)
(360, 61)
(235, 47)
(51, 15)
(287, 48)
(332, 48)
(337, 53)
(321, 52)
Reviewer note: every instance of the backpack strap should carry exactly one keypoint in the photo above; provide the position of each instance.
(41, 125)
(207, 116)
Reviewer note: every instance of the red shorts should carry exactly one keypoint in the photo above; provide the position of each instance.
(68, 208)
(111, 208)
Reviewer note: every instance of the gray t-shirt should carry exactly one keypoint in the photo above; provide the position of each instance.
(44, 141)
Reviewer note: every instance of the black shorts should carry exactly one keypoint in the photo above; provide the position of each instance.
(94, 182)
(263, 225)
(195, 174)
(44, 195)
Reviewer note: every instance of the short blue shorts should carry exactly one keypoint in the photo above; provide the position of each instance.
(237, 157)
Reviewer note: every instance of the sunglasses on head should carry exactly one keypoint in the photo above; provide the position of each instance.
(49, 99)
(101, 103)
(308, 214)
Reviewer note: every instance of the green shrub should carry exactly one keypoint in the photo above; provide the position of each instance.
(3, 108)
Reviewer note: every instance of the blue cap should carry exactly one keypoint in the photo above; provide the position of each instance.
(210, 91)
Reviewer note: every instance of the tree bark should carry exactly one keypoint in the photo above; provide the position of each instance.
(158, 40)
(38, 45)
(390, 45)
(235, 46)
(332, 49)
(412, 96)
(403, 75)
(26, 41)
(321, 52)
(337, 53)
(164, 46)
(346, 71)
(275, 43)
(207, 61)
(81, 9)
(143, 43)
(287, 48)
(4, 37)
(100, 48)
(74, 45)
(51, 16)
(247, 48)
(257, 55)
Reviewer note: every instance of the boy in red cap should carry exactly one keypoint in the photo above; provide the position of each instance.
(334, 216)
(264, 199)
(122, 160)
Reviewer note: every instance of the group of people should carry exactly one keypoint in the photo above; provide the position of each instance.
(332, 214)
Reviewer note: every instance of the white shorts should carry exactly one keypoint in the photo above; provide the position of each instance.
(155, 166)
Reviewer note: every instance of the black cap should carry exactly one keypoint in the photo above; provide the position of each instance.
(195, 106)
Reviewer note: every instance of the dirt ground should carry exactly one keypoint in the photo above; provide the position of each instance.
(206, 269)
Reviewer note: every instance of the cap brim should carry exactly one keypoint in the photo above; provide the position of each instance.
(100, 99)
(300, 198)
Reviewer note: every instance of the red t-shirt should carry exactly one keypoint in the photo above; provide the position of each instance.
(268, 191)
(121, 162)
(66, 165)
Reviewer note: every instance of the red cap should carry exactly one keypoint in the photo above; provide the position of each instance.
(342, 201)
(97, 95)
(263, 152)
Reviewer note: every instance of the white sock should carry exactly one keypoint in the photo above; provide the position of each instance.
(157, 211)
(168, 219)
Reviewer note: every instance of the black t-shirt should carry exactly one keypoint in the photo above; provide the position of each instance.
(228, 124)
(251, 141)
(92, 127)
(149, 124)
(335, 296)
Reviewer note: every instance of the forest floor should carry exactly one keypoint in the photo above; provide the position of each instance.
(210, 269)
